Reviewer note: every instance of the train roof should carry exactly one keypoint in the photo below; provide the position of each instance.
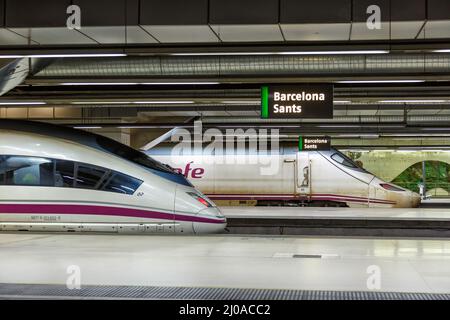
(84, 138)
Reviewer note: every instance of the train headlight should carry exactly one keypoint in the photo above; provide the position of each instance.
(200, 199)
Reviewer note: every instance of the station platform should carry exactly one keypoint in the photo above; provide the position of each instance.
(398, 222)
(222, 267)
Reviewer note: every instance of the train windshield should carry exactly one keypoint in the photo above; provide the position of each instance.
(345, 161)
(132, 155)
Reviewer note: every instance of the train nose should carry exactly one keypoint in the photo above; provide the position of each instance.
(415, 200)
(216, 221)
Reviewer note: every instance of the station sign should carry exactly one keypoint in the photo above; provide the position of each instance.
(314, 143)
(301, 101)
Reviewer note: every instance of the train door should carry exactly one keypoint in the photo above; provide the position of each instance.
(303, 174)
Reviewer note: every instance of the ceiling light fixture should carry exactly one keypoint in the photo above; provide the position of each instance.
(101, 102)
(97, 83)
(22, 103)
(61, 55)
(133, 83)
(341, 101)
(334, 52)
(379, 81)
(413, 101)
(179, 83)
(441, 50)
(87, 127)
(162, 102)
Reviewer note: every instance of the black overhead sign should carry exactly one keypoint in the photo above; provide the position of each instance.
(314, 143)
(297, 101)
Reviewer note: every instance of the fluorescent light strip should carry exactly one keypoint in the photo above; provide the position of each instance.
(379, 81)
(87, 127)
(101, 102)
(162, 102)
(240, 101)
(441, 50)
(22, 103)
(413, 101)
(97, 83)
(74, 55)
(280, 53)
(341, 101)
(178, 83)
(133, 83)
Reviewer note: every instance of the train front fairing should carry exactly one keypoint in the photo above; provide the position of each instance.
(60, 179)
(316, 178)
(358, 186)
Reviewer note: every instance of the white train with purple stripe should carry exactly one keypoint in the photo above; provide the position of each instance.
(54, 178)
(305, 178)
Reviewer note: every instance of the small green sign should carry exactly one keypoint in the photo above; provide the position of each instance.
(314, 143)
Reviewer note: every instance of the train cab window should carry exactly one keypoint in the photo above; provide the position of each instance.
(26, 171)
(340, 158)
(121, 183)
(89, 177)
(64, 173)
(132, 155)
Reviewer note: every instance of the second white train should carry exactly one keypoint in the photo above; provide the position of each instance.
(313, 178)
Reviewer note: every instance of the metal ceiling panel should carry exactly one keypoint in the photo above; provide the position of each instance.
(316, 31)
(408, 10)
(54, 35)
(438, 9)
(306, 11)
(102, 12)
(248, 33)
(8, 37)
(243, 12)
(173, 12)
(405, 29)
(2, 13)
(187, 34)
(361, 32)
(119, 35)
(32, 13)
(436, 29)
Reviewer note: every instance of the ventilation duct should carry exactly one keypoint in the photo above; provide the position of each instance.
(222, 66)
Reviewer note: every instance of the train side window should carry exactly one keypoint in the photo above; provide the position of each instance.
(121, 183)
(64, 173)
(2, 170)
(89, 177)
(26, 171)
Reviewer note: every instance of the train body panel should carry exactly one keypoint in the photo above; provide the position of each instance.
(302, 178)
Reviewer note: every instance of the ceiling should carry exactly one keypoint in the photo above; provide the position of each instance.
(159, 64)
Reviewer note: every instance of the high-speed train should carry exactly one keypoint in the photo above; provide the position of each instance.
(54, 178)
(291, 177)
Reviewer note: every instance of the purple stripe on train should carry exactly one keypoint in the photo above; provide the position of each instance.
(19, 208)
